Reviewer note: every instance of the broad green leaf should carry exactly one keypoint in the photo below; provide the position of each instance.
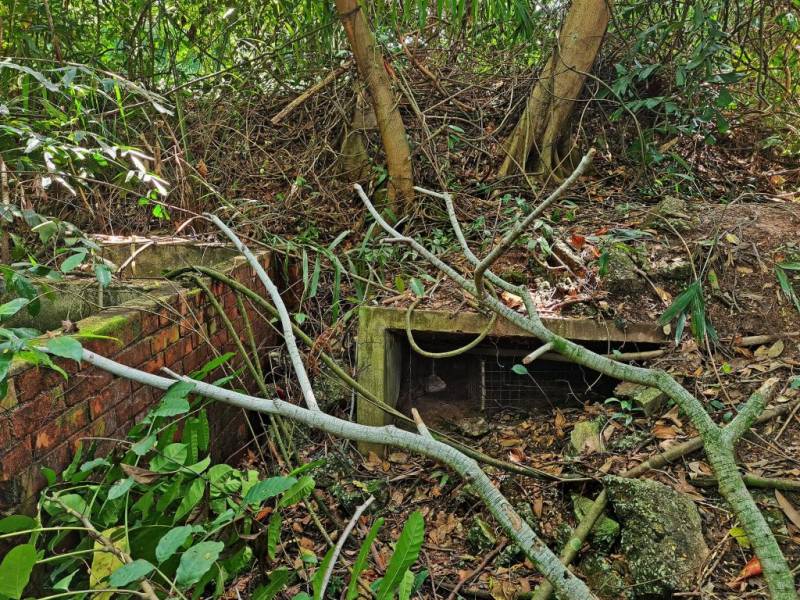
(316, 581)
(406, 586)
(15, 570)
(417, 287)
(66, 347)
(130, 572)
(72, 261)
(277, 581)
(9, 309)
(120, 488)
(196, 561)
(171, 458)
(171, 541)
(191, 497)
(297, 492)
(274, 534)
(103, 275)
(361, 560)
(17, 523)
(519, 369)
(269, 488)
(174, 401)
(405, 554)
(144, 445)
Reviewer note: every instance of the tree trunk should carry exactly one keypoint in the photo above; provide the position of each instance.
(393, 133)
(543, 125)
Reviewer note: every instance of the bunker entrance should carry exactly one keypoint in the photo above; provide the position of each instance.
(491, 378)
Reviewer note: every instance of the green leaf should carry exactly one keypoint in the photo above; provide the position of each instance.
(417, 287)
(190, 498)
(171, 458)
(171, 541)
(174, 401)
(15, 523)
(196, 561)
(64, 583)
(406, 586)
(277, 581)
(120, 488)
(72, 261)
(144, 445)
(269, 488)
(361, 560)
(103, 275)
(274, 534)
(681, 303)
(519, 369)
(405, 554)
(316, 581)
(786, 287)
(9, 309)
(15, 570)
(130, 572)
(66, 347)
(297, 492)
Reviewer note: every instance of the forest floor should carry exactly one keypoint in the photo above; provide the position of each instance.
(621, 246)
(654, 252)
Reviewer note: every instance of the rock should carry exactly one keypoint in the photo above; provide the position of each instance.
(662, 540)
(585, 438)
(671, 213)
(650, 400)
(621, 273)
(480, 537)
(605, 530)
(672, 269)
(603, 579)
(473, 426)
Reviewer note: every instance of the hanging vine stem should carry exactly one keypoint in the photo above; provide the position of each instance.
(718, 441)
(449, 353)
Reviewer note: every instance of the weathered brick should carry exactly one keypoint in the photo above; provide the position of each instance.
(106, 399)
(15, 459)
(34, 414)
(99, 427)
(135, 355)
(154, 364)
(140, 400)
(58, 458)
(164, 337)
(150, 322)
(86, 384)
(60, 429)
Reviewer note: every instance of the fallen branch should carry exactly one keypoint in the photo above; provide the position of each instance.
(754, 481)
(361, 390)
(340, 544)
(477, 570)
(518, 530)
(314, 89)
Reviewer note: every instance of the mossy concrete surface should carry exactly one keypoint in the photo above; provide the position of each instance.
(662, 539)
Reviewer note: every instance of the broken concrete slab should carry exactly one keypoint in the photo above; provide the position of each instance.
(585, 438)
(650, 400)
(621, 273)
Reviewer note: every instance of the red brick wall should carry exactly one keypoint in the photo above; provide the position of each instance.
(44, 416)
